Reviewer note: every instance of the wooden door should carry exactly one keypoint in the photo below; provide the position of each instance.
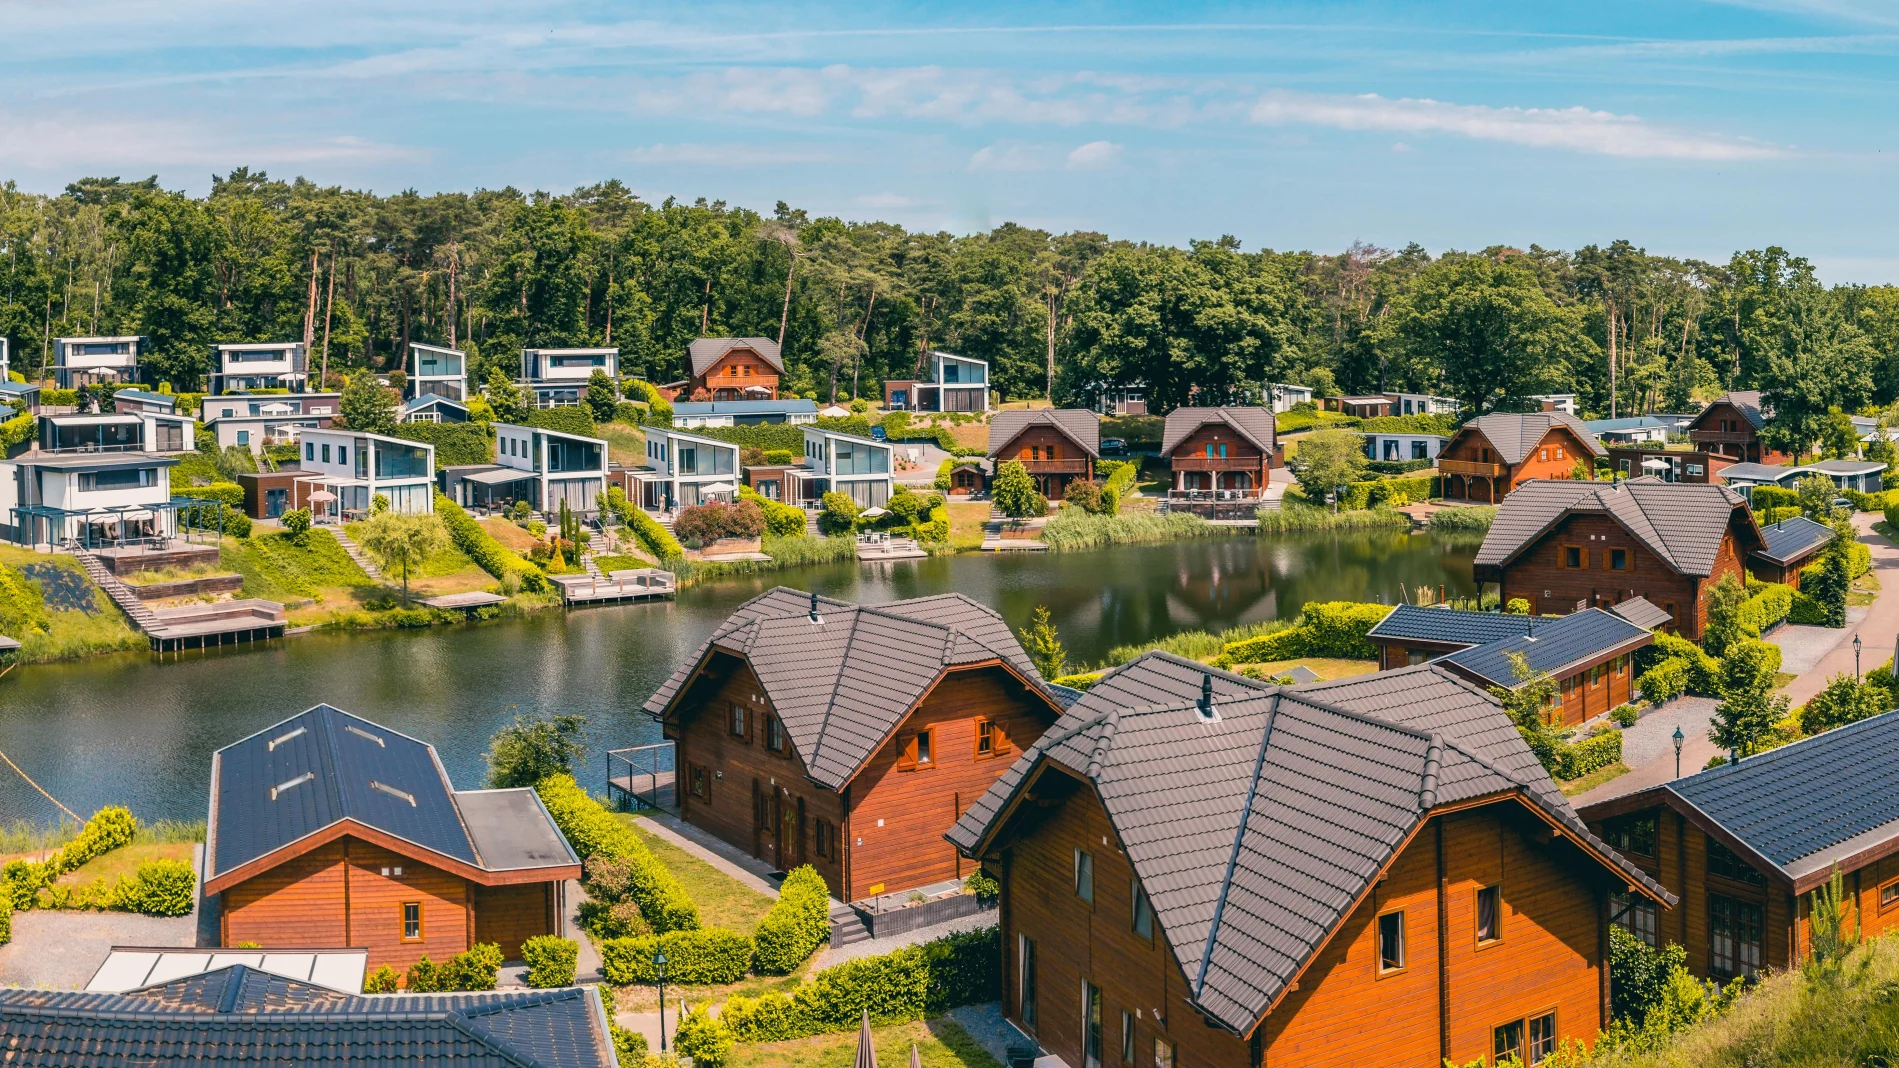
(758, 819)
(790, 819)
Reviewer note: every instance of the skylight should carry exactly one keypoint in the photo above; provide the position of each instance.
(288, 785)
(402, 795)
(281, 739)
(361, 733)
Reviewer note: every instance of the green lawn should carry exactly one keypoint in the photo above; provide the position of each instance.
(940, 1043)
(448, 560)
(73, 632)
(277, 567)
(609, 564)
(626, 443)
(1594, 779)
(124, 861)
(723, 901)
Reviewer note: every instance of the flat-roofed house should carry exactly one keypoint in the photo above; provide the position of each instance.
(1494, 454)
(950, 383)
(260, 365)
(139, 401)
(690, 414)
(330, 830)
(1186, 876)
(1742, 844)
(91, 361)
(1630, 430)
(438, 371)
(558, 377)
(356, 467)
(731, 369)
(546, 468)
(1056, 445)
(94, 480)
(253, 421)
(683, 470)
(850, 737)
(1226, 451)
(1283, 395)
(1731, 425)
(836, 462)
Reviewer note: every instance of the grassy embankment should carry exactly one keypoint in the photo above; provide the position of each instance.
(56, 612)
(940, 1043)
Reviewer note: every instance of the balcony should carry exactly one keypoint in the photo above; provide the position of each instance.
(1723, 437)
(1055, 467)
(1218, 463)
(1472, 467)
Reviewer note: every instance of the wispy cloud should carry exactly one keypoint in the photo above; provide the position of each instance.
(1575, 129)
(1015, 156)
(1095, 156)
(47, 144)
(734, 154)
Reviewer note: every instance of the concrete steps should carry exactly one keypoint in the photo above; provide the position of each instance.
(356, 553)
(122, 595)
(811, 524)
(847, 927)
(586, 561)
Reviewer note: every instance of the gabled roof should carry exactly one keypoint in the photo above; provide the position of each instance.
(1642, 612)
(1791, 540)
(1516, 434)
(242, 1016)
(841, 685)
(428, 400)
(1079, 425)
(1256, 425)
(1551, 646)
(1682, 523)
(707, 351)
(1447, 626)
(1746, 401)
(1797, 810)
(1255, 833)
(324, 767)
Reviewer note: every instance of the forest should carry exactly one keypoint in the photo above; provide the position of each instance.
(359, 275)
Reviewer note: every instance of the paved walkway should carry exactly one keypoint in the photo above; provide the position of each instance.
(995, 1035)
(1877, 629)
(1648, 748)
(874, 946)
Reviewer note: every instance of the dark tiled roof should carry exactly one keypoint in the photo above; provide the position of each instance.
(1680, 522)
(707, 351)
(1081, 426)
(1643, 613)
(1793, 539)
(1746, 401)
(840, 686)
(1447, 626)
(1256, 832)
(1553, 644)
(240, 1016)
(1516, 434)
(324, 765)
(1254, 424)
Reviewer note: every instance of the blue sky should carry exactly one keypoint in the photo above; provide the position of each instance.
(1691, 129)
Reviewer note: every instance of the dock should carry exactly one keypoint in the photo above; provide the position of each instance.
(638, 584)
(205, 626)
(466, 602)
(889, 549)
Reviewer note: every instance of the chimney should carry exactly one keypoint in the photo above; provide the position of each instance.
(1206, 697)
(814, 608)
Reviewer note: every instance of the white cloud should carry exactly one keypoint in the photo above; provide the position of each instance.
(1574, 129)
(1005, 156)
(727, 155)
(1400, 146)
(1094, 156)
(47, 144)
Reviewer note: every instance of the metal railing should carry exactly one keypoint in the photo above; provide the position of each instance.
(642, 776)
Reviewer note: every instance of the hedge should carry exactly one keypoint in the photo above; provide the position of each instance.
(1871, 502)
(20, 428)
(1326, 628)
(227, 515)
(706, 956)
(659, 409)
(6, 918)
(108, 829)
(455, 443)
(571, 420)
(594, 832)
(1665, 681)
(1806, 611)
(1767, 517)
(157, 888)
(551, 960)
(1083, 682)
(908, 984)
(781, 520)
(1592, 753)
(487, 553)
(475, 969)
(1768, 605)
(1374, 492)
(1762, 498)
(797, 925)
(1704, 671)
(658, 540)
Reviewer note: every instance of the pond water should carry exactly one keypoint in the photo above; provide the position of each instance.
(136, 730)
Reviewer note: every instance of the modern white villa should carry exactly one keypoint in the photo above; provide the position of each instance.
(950, 383)
(542, 467)
(267, 419)
(260, 365)
(559, 376)
(353, 468)
(88, 361)
(439, 371)
(1421, 404)
(1401, 447)
(1281, 396)
(842, 463)
(683, 470)
(94, 480)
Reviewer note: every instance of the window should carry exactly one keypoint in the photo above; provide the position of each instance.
(1090, 1024)
(1595, 676)
(1084, 876)
(699, 783)
(1542, 1037)
(1618, 559)
(1542, 454)
(326, 452)
(1391, 941)
(309, 450)
(774, 734)
(1723, 862)
(106, 480)
(1412, 658)
(1163, 1054)
(1575, 556)
(990, 740)
(1143, 913)
(1127, 1037)
(1734, 937)
(826, 840)
(1889, 894)
(1507, 1042)
(1632, 834)
(412, 921)
(1025, 979)
(1489, 914)
(1634, 914)
(1559, 452)
(741, 721)
(917, 750)
(243, 437)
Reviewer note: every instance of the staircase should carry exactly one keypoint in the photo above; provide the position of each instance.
(847, 927)
(356, 553)
(811, 524)
(142, 617)
(586, 561)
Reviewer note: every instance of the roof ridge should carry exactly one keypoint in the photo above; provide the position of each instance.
(1110, 719)
(824, 725)
(1233, 857)
(1427, 783)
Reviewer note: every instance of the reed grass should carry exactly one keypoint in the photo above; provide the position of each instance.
(1292, 518)
(1074, 530)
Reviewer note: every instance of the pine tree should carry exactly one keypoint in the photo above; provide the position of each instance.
(1044, 644)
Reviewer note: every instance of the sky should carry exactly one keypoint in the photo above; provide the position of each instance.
(1689, 128)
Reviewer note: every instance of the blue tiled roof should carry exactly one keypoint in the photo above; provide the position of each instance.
(1553, 644)
(1791, 539)
(1448, 626)
(427, 399)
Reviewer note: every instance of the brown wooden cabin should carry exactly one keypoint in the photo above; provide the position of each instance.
(1744, 845)
(1731, 426)
(330, 830)
(1628, 461)
(1219, 450)
(732, 369)
(1493, 454)
(969, 477)
(847, 737)
(1788, 546)
(1561, 545)
(1183, 879)
(1588, 654)
(1056, 445)
(1370, 406)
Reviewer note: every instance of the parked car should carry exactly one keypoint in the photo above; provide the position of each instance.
(1114, 445)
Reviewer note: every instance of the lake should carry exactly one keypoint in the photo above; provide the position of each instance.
(134, 730)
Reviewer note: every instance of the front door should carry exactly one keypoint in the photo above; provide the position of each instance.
(274, 501)
(790, 828)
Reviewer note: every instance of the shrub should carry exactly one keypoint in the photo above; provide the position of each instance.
(659, 410)
(455, 443)
(1583, 757)
(1083, 682)
(706, 1040)
(6, 918)
(572, 420)
(593, 832)
(297, 522)
(704, 956)
(1806, 611)
(1474, 519)
(1327, 629)
(796, 926)
(108, 829)
(907, 984)
(1765, 497)
(17, 429)
(383, 980)
(551, 960)
(839, 514)
(1769, 516)
(487, 553)
(534, 747)
(1703, 671)
(1084, 495)
(710, 522)
(942, 483)
(476, 969)
(657, 539)
(781, 520)
(1624, 715)
(1013, 492)
(157, 888)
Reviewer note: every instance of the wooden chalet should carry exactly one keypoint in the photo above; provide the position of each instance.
(1183, 879)
(1731, 426)
(1788, 546)
(731, 369)
(969, 476)
(1744, 845)
(1224, 451)
(1056, 445)
(1566, 546)
(1494, 454)
(329, 830)
(1588, 654)
(848, 737)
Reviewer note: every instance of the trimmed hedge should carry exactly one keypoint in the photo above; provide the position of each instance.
(908, 984)
(108, 829)
(1768, 605)
(1333, 629)
(6, 918)
(551, 960)
(781, 520)
(20, 428)
(1665, 681)
(455, 443)
(1762, 498)
(157, 888)
(487, 553)
(1767, 517)
(228, 513)
(593, 832)
(1374, 492)
(1871, 502)
(659, 410)
(1704, 671)
(1590, 754)
(572, 420)
(706, 956)
(797, 925)
(1083, 682)
(657, 539)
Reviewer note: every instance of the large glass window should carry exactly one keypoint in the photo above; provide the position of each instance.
(567, 455)
(859, 458)
(1634, 914)
(109, 480)
(1734, 937)
(401, 461)
(1091, 1024)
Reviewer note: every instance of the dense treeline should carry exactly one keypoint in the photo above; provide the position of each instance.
(359, 275)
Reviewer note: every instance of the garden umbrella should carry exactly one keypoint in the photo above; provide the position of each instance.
(915, 1060)
(866, 1052)
(871, 512)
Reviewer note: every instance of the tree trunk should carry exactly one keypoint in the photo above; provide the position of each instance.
(784, 316)
(608, 340)
(309, 309)
(329, 306)
(1609, 306)
(454, 265)
(705, 310)
(1049, 389)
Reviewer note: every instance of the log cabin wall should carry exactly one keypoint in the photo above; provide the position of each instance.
(1240, 455)
(510, 915)
(1540, 574)
(736, 371)
(1554, 457)
(299, 903)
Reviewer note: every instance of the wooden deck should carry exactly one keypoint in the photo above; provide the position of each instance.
(620, 587)
(220, 623)
(465, 601)
(655, 788)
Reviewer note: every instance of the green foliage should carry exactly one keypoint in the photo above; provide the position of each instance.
(838, 514)
(533, 748)
(1390, 492)
(297, 522)
(1084, 681)
(1843, 700)
(162, 887)
(1828, 580)
(1475, 519)
(1295, 515)
(803, 550)
(22, 427)
(109, 828)
(1769, 516)
(1408, 424)
(22, 610)
(1013, 492)
(1624, 715)
(455, 443)
(1638, 974)
(983, 886)
(367, 405)
(478, 545)
(705, 1039)
(1597, 751)
(797, 924)
(401, 543)
(509, 402)
(630, 1048)
(657, 539)
(384, 980)
(1703, 670)
(1328, 460)
(570, 420)
(1527, 702)
(1653, 997)
(705, 523)
(1043, 644)
(594, 832)
(1518, 606)
(551, 960)
(1763, 498)
(907, 984)
(702, 956)
(1665, 681)
(1749, 708)
(1333, 629)
(781, 520)
(1724, 606)
(476, 969)
(1073, 530)
(600, 398)
(1084, 495)
(1832, 928)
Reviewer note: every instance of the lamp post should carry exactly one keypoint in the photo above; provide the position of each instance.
(1856, 658)
(1679, 738)
(659, 973)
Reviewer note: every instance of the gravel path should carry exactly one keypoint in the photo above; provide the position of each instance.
(63, 949)
(1802, 647)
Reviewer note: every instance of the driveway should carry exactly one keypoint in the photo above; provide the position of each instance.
(63, 949)
(1877, 629)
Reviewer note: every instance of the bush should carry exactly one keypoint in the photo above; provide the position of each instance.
(1769, 516)
(839, 515)
(1703, 671)
(1084, 495)
(1762, 498)
(108, 829)
(705, 956)
(657, 539)
(551, 960)
(455, 443)
(1474, 519)
(1806, 612)
(1073, 529)
(297, 522)
(781, 520)
(157, 888)
(20, 428)
(1396, 492)
(706, 1040)
(1013, 492)
(384, 980)
(594, 832)
(907, 984)
(659, 410)
(6, 918)
(1624, 715)
(942, 483)
(534, 747)
(487, 553)
(1583, 757)
(573, 420)
(476, 969)
(710, 522)
(796, 926)
(1083, 682)
(1326, 629)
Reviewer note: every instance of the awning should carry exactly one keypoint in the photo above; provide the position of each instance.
(499, 476)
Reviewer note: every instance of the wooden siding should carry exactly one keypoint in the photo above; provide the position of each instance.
(510, 915)
(1241, 456)
(720, 375)
(1444, 1002)
(299, 903)
(1723, 429)
(1538, 574)
(1469, 445)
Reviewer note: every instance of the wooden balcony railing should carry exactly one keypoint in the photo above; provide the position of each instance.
(1055, 467)
(1722, 437)
(1218, 463)
(1471, 467)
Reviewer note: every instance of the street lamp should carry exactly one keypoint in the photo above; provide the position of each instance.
(1679, 738)
(659, 974)
(1855, 658)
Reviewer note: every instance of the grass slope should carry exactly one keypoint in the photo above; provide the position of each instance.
(723, 901)
(275, 566)
(940, 1043)
(98, 627)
